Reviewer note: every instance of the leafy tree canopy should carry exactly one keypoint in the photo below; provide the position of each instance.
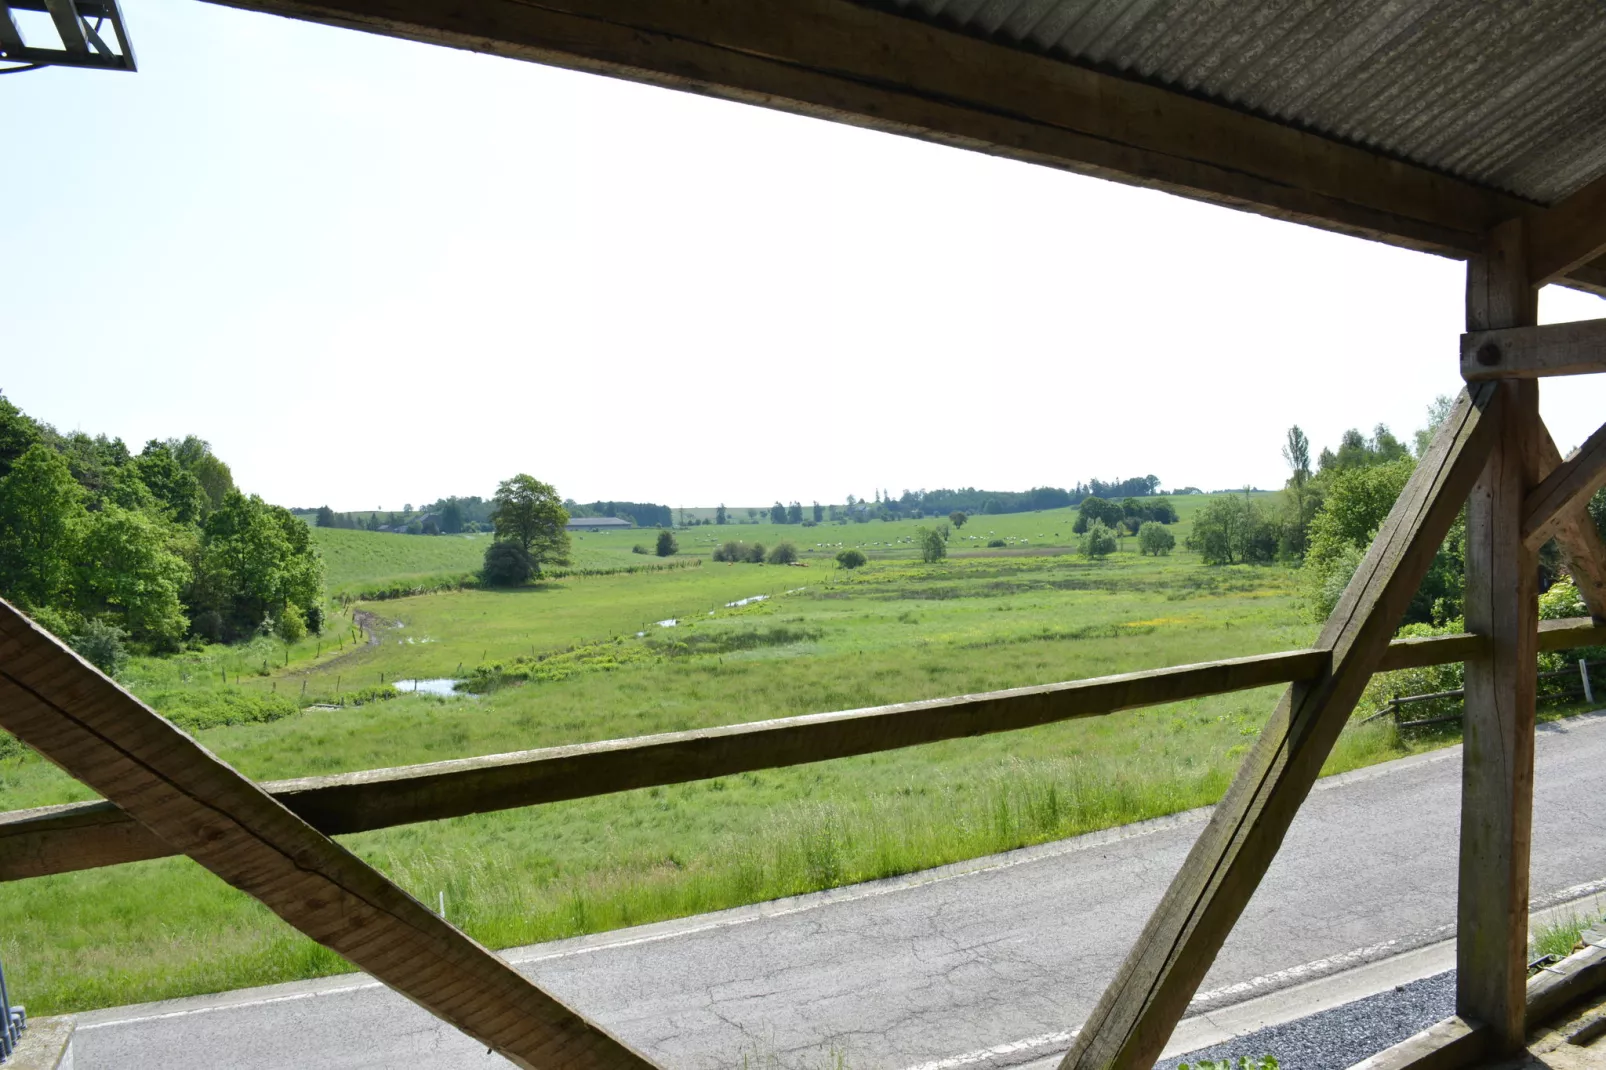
(529, 513)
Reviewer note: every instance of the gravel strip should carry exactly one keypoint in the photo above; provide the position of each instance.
(1342, 1036)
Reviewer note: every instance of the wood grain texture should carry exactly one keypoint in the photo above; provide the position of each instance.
(1501, 602)
(66, 710)
(846, 62)
(1138, 1011)
(1566, 488)
(61, 839)
(1568, 235)
(1532, 352)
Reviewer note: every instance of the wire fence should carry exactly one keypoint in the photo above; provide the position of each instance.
(1583, 688)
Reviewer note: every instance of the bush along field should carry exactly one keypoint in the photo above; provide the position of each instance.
(597, 652)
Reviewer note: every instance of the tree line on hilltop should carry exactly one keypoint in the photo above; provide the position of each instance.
(455, 516)
(106, 547)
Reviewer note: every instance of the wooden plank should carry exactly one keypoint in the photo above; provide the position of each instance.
(1502, 603)
(60, 839)
(66, 710)
(86, 835)
(1569, 235)
(847, 62)
(1150, 992)
(1582, 976)
(1576, 534)
(1567, 488)
(1531, 352)
(1447, 1045)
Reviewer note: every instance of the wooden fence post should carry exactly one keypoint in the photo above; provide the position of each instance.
(1583, 672)
(1502, 604)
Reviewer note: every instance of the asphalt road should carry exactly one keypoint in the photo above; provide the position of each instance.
(1010, 951)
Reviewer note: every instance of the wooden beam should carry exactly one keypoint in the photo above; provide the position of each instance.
(1447, 1045)
(93, 834)
(1575, 533)
(851, 63)
(1530, 352)
(1502, 603)
(1569, 235)
(1150, 992)
(87, 835)
(67, 711)
(1566, 488)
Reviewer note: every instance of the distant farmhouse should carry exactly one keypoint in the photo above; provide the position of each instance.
(598, 523)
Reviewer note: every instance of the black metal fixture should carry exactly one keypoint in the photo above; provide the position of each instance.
(82, 25)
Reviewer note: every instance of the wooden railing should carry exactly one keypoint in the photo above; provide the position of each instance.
(60, 839)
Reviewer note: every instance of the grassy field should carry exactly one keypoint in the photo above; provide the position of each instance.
(588, 658)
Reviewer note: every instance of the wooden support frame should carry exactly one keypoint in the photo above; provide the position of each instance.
(1532, 352)
(75, 836)
(1569, 235)
(66, 710)
(1575, 533)
(1149, 994)
(1502, 603)
(1566, 487)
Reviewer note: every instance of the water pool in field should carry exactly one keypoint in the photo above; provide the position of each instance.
(445, 686)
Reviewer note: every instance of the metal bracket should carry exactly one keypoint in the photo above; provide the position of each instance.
(79, 24)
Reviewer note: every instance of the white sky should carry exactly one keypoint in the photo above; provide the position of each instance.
(373, 272)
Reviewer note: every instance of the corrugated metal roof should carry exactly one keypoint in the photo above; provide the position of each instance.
(1510, 94)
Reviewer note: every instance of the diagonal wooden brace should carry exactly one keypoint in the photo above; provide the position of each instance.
(66, 710)
(1149, 994)
(1570, 525)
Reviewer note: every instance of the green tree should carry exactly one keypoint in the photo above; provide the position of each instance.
(957, 519)
(127, 572)
(851, 559)
(326, 517)
(177, 492)
(783, 553)
(452, 517)
(1232, 530)
(720, 515)
(255, 560)
(1301, 498)
(529, 513)
(933, 547)
(777, 513)
(41, 516)
(1153, 538)
(1094, 508)
(506, 564)
(101, 643)
(819, 512)
(667, 546)
(1099, 540)
(17, 434)
(195, 454)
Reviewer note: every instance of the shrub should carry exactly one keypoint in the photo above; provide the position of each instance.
(291, 626)
(1099, 540)
(667, 546)
(851, 559)
(640, 548)
(754, 554)
(195, 709)
(102, 645)
(933, 547)
(734, 550)
(506, 565)
(996, 544)
(957, 519)
(1232, 530)
(1154, 539)
(784, 553)
(315, 619)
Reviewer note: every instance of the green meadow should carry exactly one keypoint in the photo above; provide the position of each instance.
(590, 657)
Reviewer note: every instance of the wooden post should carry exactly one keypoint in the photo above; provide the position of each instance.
(1502, 604)
(1583, 672)
(1150, 992)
